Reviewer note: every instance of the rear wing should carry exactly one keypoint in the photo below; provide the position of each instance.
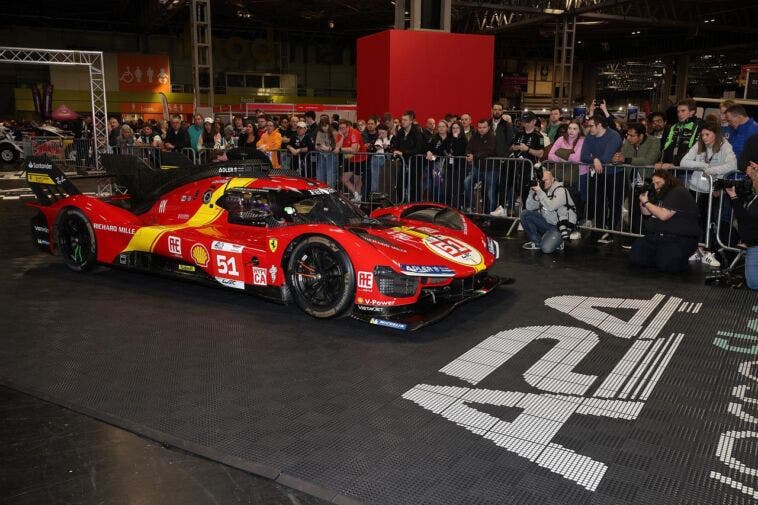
(47, 181)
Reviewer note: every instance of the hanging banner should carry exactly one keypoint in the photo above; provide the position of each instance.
(144, 72)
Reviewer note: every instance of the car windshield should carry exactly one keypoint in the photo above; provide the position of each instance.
(320, 206)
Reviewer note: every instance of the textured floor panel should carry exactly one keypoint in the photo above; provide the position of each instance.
(598, 398)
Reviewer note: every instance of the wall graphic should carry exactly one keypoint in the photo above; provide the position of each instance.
(144, 72)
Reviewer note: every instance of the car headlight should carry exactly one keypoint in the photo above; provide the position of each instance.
(394, 284)
(493, 247)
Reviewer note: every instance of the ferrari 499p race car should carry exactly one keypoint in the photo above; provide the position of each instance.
(287, 238)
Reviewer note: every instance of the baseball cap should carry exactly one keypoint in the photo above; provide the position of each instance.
(528, 116)
(301, 124)
(208, 120)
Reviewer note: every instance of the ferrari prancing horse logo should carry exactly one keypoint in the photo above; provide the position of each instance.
(273, 244)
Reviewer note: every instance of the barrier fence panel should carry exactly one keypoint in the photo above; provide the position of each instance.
(191, 154)
(362, 173)
(149, 154)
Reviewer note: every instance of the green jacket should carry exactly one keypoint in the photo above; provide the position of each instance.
(647, 153)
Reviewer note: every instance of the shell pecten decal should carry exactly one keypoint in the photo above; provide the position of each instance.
(200, 255)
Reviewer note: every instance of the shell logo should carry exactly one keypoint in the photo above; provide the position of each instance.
(200, 255)
(453, 250)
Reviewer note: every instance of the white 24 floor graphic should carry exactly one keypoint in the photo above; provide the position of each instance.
(620, 396)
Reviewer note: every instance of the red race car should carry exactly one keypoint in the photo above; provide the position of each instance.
(272, 232)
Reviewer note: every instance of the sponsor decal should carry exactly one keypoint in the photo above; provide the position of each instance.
(382, 242)
(41, 229)
(425, 229)
(259, 276)
(36, 165)
(43, 241)
(122, 259)
(199, 255)
(186, 268)
(557, 391)
(366, 281)
(126, 230)
(389, 324)
(272, 272)
(174, 245)
(375, 303)
(273, 244)
(322, 191)
(230, 170)
(39, 179)
(366, 308)
(217, 245)
(427, 270)
(230, 283)
(453, 250)
(162, 206)
(399, 235)
(183, 216)
(733, 472)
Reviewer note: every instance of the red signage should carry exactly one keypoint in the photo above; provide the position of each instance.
(144, 72)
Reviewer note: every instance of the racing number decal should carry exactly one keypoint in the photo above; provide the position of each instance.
(453, 250)
(226, 265)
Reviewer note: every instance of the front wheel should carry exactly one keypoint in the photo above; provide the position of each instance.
(76, 240)
(321, 277)
(8, 154)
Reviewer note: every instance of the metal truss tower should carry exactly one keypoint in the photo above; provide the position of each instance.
(93, 60)
(202, 52)
(563, 61)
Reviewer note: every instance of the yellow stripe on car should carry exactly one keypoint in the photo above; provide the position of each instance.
(147, 236)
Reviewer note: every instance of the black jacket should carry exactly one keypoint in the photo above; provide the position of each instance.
(180, 139)
(409, 143)
(503, 137)
(458, 145)
(746, 210)
(439, 146)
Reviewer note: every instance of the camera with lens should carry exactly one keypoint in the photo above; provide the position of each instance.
(743, 187)
(645, 187)
(537, 178)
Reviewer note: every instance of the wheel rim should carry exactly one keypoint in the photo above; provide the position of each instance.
(75, 240)
(7, 155)
(318, 277)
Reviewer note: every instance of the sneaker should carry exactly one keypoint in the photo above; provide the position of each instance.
(710, 259)
(587, 223)
(696, 256)
(575, 235)
(531, 246)
(605, 239)
(626, 246)
(356, 197)
(520, 227)
(560, 247)
(499, 212)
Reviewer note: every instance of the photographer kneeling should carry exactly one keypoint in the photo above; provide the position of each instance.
(746, 211)
(550, 215)
(671, 227)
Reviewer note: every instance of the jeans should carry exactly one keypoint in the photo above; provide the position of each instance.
(326, 171)
(751, 267)
(488, 177)
(377, 166)
(606, 193)
(667, 253)
(541, 232)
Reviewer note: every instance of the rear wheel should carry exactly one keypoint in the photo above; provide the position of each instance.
(76, 240)
(321, 277)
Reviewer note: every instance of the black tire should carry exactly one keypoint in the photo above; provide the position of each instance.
(321, 277)
(8, 154)
(76, 240)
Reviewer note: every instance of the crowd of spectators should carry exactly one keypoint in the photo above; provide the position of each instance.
(446, 158)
